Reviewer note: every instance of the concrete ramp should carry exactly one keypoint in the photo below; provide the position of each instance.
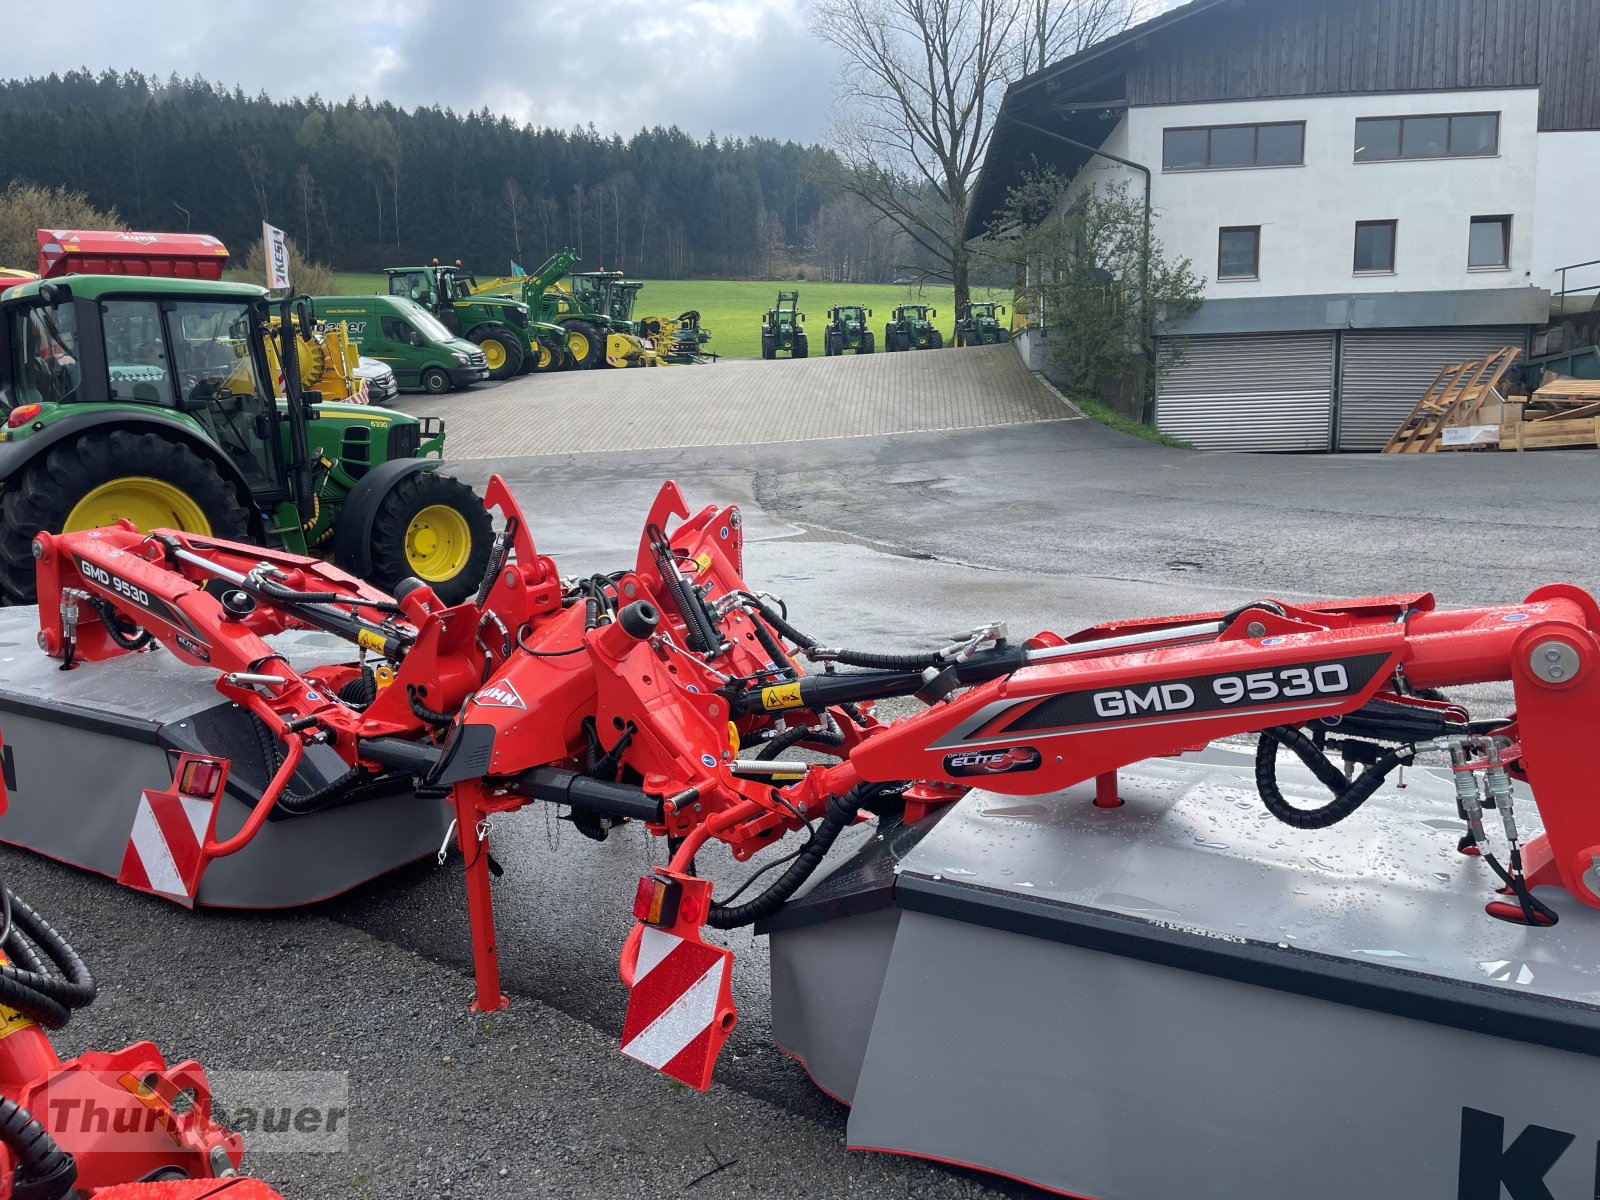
(744, 402)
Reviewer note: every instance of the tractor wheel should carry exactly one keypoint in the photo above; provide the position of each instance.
(85, 483)
(1002, 337)
(435, 381)
(502, 352)
(935, 340)
(769, 349)
(868, 342)
(544, 359)
(828, 347)
(802, 347)
(888, 340)
(434, 527)
(587, 344)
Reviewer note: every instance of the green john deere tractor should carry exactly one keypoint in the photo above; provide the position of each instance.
(783, 328)
(978, 324)
(912, 329)
(847, 330)
(152, 399)
(513, 342)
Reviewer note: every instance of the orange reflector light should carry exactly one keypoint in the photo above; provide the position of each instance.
(201, 777)
(656, 901)
(22, 415)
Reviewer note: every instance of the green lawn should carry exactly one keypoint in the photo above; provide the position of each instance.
(731, 309)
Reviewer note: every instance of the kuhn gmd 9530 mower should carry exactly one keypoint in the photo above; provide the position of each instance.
(669, 693)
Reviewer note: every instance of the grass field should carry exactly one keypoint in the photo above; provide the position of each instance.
(731, 309)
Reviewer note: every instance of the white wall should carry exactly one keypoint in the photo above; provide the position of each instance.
(1308, 213)
(1566, 228)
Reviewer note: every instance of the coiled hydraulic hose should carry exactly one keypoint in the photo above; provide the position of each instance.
(850, 658)
(1348, 795)
(113, 624)
(30, 986)
(840, 812)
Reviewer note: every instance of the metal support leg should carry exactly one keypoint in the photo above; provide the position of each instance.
(480, 904)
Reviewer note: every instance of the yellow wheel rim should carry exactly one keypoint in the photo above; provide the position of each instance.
(545, 357)
(494, 354)
(579, 345)
(438, 543)
(148, 503)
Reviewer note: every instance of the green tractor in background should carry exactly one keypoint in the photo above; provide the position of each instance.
(978, 324)
(594, 311)
(847, 330)
(912, 329)
(783, 328)
(152, 399)
(513, 342)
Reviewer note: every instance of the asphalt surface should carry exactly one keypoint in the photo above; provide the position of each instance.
(889, 542)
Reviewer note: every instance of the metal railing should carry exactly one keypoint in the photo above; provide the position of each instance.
(1565, 290)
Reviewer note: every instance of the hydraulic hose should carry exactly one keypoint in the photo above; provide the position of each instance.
(1348, 795)
(30, 986)
(108, 618)
(850, 658)
(774, 618)
(840, 812)
(793, 736)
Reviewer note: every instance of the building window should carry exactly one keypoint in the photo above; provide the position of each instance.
(1222, 147)
(1239, 252)
(1375, 247)
(1489, 247)
(1459, 135)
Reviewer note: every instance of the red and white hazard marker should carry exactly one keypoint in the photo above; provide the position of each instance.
(165, 852)
(680, 1010)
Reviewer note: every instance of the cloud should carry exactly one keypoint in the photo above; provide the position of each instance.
(736, 67)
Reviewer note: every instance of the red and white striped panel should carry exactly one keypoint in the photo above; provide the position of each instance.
(679, 1011)
(164, 847)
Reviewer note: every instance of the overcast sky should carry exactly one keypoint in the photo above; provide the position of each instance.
(724, 66)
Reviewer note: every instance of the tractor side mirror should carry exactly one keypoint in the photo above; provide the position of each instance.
(869, 312)
(933, 312)
(1001, 311)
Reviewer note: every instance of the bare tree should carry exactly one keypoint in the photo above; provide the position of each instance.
(257, 171)
(921, 81)
(1056, 29)
(515, 202)
(307, 187)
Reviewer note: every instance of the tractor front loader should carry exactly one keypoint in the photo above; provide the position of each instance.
(176, 402)
(847, 330)
(911, 328)
(669, 694)
(978, 324)
(783, 329)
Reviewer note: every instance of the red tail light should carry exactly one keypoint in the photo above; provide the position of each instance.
(201, 777)
(22, 415)
(656, 901)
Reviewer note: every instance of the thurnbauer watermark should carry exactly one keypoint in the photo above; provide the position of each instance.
(275, 1112)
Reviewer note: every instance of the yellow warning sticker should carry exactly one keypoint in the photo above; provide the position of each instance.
(368, 640)
(11, 1021)
(702, 563)
(785, 695)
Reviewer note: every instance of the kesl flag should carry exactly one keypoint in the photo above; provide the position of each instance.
(277, 248)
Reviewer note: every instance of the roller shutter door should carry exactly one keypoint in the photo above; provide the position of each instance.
(1257, 391)
(1384, 373)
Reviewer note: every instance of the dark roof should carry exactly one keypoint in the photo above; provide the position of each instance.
(1054, 98)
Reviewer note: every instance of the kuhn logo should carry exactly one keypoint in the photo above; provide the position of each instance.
(992, 762)
(499, 695)
(138, 239)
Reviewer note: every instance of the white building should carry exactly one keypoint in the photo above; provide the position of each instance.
(1372, 189)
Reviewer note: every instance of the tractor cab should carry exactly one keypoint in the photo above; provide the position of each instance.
(159, 345)
(606, 293)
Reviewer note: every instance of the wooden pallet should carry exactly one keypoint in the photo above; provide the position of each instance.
(1562, 413)
(1463, 394)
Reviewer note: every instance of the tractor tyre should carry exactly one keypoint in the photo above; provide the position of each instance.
(888, 340)
(587, 344)
(435, 381)
(868, 342)
(544, 360)
(86, 482)
(1002, 337)
(802, 347)
(829, 346)
(935, 340)
(433, 527)
(769, 349)
(501, 350)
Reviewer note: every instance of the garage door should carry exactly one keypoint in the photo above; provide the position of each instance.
(1384, 374)
(1271, 391)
